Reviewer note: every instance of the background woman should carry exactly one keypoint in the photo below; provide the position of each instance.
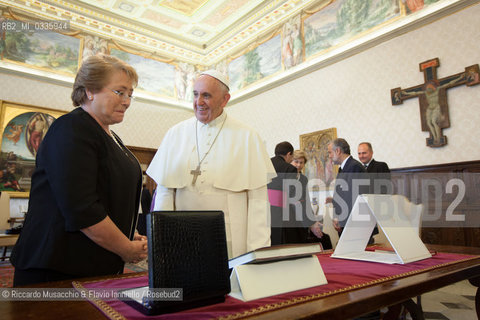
(314, 233)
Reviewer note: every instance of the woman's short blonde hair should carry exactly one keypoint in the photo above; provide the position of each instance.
(94, 74)
(298, 154)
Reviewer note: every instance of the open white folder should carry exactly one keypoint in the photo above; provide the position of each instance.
(255, 281)
(396, 216)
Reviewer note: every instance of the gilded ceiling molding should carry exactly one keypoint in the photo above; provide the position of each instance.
(262, 28)
(14, 16)
(246, 27)
(265, 19)
(403, 9)
(318, 7)
(116, 25)
(19, 18)
(103, 25)
(38, 10)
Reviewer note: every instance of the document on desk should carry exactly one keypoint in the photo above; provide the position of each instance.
(382, 257)
(135, 294)
(393, 215)
(255, 281)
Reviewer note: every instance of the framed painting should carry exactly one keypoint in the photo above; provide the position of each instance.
(319, 169)
(23, 128)
(318, 165)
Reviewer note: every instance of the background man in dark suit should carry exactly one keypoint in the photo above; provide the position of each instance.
(281, 163)
(379, 171)
(288, 225)
(365, 155)
(345, 192)
(283, 157)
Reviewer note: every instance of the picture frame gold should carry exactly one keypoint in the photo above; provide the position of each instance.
(23, 127)
(319, 165)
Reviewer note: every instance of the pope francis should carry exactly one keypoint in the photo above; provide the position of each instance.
(214, 162)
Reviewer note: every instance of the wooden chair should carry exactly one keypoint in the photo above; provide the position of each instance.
(4, 211)
(476, 283)
(6, 240)
(328, 225)
(415, 212)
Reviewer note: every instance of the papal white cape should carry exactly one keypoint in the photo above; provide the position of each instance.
(239, 170)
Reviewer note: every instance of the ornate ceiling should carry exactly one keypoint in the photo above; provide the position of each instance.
(195, 31)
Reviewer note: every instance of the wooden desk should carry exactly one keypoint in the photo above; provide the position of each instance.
(342, 306)
(7, 240)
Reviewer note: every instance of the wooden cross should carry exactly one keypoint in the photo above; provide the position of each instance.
(195, 174)
(433, 98)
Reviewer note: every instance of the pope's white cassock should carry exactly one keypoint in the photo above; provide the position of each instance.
(234, 177)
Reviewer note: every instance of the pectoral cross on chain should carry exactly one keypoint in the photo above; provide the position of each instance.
(195, 174)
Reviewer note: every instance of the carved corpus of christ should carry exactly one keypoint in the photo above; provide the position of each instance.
(433, 98)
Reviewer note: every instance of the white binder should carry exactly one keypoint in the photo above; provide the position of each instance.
(397, 218)
(255, 281)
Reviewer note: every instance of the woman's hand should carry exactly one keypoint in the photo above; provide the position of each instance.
(136, 252)
(138, 236)
(107, 235)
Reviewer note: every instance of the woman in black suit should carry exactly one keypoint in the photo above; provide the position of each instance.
(86, 186)
(314, 232)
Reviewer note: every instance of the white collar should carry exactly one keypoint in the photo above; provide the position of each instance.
(215, 122)
(344, 161)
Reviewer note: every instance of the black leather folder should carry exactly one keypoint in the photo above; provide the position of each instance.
(186, 250)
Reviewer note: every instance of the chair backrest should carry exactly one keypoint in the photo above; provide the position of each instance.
(328, 225)
(4, 211)
(416, 217)
(415, 212)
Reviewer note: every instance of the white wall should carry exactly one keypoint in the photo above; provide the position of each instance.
(352, 95)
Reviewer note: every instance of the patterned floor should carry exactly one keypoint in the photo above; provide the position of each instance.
(139, 267)
(6, 274)
(454, 302)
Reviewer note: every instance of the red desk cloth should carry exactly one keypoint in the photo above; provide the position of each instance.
(342, 275)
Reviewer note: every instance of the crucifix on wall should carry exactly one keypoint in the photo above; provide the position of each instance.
(433, 98)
